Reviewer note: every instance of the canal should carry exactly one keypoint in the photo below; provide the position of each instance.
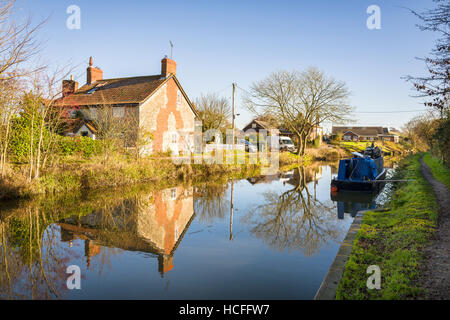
(268, 237)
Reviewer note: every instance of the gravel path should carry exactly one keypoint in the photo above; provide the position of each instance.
(436, 272)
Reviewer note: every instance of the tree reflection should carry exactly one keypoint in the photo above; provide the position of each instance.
(32, 263)
(295, 219)
(210, 202)
(40, 238)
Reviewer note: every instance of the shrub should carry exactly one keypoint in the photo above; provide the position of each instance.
(82, 146)
(23, 128)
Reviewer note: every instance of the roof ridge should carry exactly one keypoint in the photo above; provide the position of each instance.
(120, 78)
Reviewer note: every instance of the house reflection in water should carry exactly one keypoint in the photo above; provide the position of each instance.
(293, 177)
(155, 223)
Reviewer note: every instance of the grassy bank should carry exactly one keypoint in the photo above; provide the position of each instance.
(322, 153)
(359, 146)
(393, 240)
(440, 172)
(72, 176)
(73, 173)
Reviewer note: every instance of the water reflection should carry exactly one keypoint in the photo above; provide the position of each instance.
(353, 202)
(32, 262)
(37, 245)
(208, 241)
(295, 219)
(155, 224)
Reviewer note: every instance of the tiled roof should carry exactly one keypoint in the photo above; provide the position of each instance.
(75, 124)
(263, 124)
(113, 91)
(361, 131)
(90, 125)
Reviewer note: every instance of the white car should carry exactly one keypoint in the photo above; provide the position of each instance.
(286, 144)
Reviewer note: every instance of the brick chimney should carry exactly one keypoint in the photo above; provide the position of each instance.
(93, 74)
(69, 87)
(168, 66)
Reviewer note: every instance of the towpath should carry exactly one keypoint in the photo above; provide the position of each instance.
(436, 270)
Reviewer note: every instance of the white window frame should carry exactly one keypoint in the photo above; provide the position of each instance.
(174, 138)
(178, 97)
(173, 193)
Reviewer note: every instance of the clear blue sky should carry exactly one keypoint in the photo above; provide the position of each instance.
(217, 43)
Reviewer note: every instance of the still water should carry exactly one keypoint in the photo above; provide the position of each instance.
(269, 237)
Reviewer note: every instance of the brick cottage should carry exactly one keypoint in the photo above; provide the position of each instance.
(158, 102)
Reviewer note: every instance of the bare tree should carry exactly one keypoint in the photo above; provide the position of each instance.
(214, 112)
(421, 131)
(436, 85)
(10, 95)
(117, 127)
(323, 99)
(46, 119)
(17, 43)
(300, 101)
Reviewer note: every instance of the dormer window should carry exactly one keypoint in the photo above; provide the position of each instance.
(99, 85)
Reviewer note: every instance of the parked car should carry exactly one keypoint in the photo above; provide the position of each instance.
(286, 144)
(249, 147)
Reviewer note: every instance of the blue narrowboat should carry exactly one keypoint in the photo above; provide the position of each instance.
(363, 172)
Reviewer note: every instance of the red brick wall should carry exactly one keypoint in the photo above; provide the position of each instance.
(94, 74)
(168, 66)
(162, 120)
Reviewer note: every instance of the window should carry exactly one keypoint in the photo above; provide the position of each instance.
(173, 193)
(118, 112)
(174, 138)
(84, 134)
(91, 113)
(99, 85)
(254, 125)
(178, 97)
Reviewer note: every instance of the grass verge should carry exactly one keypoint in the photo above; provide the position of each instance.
(440, 172)
(95, 175)
(393, 240)
(359, 146)
(74, 173)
